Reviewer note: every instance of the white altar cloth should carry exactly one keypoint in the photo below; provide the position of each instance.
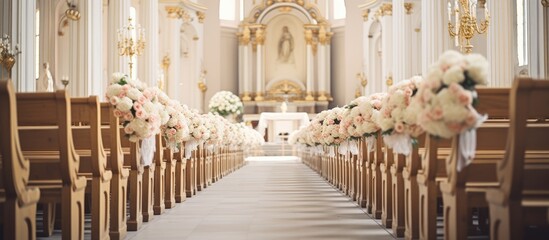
(276, 123)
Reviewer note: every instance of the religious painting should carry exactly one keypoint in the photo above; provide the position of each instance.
(285, 58)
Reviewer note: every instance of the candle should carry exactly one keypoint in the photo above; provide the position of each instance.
(449, 11)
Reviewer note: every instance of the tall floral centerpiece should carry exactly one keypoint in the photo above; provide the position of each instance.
(226, 104)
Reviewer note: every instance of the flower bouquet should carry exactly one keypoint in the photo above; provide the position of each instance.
(225, 103)
(394, 116)
(133, 105)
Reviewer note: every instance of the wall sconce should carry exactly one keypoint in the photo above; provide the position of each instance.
(71, 13)
(7, 54)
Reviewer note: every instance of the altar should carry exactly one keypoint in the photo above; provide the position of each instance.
(280, 125)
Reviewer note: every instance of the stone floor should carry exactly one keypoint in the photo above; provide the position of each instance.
(266, 199)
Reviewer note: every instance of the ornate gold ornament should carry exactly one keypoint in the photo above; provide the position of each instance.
(179, 12)
(466, 26)
(386, 9)
(201, 16)
(131, 46)
(246, 97)
(389, 81)
(7, 54)
(365, 14)
(408, 7)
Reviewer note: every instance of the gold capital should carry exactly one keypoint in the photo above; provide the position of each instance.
(201, 16)
(365, 14)
(175, 11)
(408, 6)
(386, 9)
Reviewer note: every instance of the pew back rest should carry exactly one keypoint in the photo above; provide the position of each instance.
(14, 168)
(490, 143)
(128, 152)
(518, 175)
(44, 127)
(86, 115)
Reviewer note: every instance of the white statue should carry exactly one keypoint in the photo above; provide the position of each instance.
(284, 107)
(286, 46)
(45, 82)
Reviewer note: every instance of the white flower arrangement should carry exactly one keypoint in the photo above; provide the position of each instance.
(133, 105)
(330, 128)
(225, 103)
(176, 130)
(444, 101)
(394, 115)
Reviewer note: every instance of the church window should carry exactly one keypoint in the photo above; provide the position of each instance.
(338, 9)
(37, 45)
(227, 10)
(522, 33)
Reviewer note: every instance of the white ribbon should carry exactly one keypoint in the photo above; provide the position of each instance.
(148, 147)
(331, 152)
(353, 147)
(371, 143)
(343, 148)
(468, 145)
(189, 147)
(400, 143)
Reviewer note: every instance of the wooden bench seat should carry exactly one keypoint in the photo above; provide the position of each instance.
(53, 109)
(17, 199)
(86, 124)
(522, 197)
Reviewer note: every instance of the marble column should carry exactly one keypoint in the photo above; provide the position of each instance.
(502, 49)
(173, 88)
(48, 33)
(86, 61)
(310, 64)
(260, 63)
(148, 63)
(118, 14)
(18, 21)
(328, 69)
(399, 40)
(434, 31)
(245, 44)
(387, 66)
(322, 43)
(545, 37)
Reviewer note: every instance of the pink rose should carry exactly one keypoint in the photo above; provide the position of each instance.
(455, 127)
(137, 106)
(128, 130)
(437, 113)
(464, 98)
(140, 114)
(128, 116)
(399, 127)
(471, 119)
(142, 99)
(117, 113)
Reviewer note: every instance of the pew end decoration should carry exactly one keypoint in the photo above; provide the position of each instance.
(397, 119)
(134, 106)
(447, 97)
(225, 103)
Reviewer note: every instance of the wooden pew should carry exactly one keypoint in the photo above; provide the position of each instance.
(190, 177)
(148, 186)
(464, 190)
(86, 124)
(45, 126)
(411, 191)
(170, 178)
(432, 170)
(397, 192)
(159, 181)
(180, 176)
(362, 184)
(115, 162)
(376, 158)
(430, 174)
(17, 199)
(386, 187)
(522, 197)
(132, 162)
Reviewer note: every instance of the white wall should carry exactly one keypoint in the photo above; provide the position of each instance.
(338, 88)
(229, 60)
